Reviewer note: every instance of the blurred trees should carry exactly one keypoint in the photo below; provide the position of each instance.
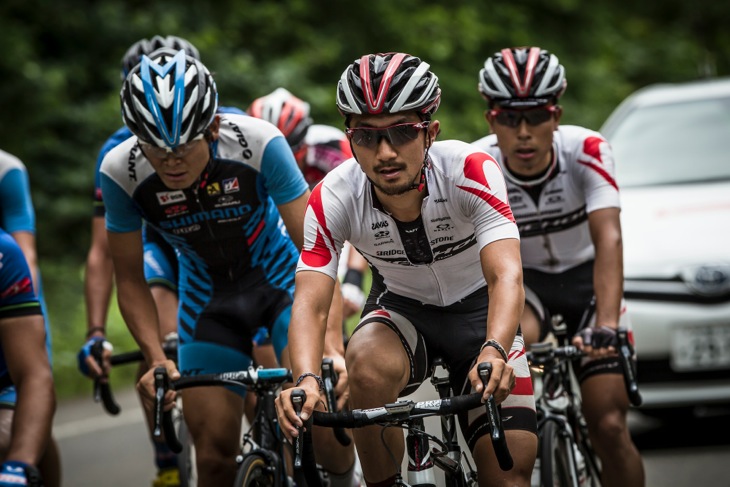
(59, 71)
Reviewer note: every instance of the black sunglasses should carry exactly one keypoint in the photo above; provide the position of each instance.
(533, 116)
(396, 135)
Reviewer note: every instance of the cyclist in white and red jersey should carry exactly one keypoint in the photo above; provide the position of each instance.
(432, 219)
(564, 197)
(318, 149)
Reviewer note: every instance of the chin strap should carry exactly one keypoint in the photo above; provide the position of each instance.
(422, 179)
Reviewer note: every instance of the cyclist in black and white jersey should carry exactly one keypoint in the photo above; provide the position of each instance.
(433, 220)
(565, 199)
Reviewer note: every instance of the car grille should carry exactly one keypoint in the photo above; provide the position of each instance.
(673, 290)
(661, 371)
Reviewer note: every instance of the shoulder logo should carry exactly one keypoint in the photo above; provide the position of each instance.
(170, 197)
(19, 287)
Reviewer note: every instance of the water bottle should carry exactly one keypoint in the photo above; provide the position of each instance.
(535, 479)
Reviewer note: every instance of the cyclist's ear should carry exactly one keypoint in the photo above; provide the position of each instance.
(211, 133)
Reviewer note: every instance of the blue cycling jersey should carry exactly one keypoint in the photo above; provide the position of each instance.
(17, 296)
(16, 206)
(226, 229)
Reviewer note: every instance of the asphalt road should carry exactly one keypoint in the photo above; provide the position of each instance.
(101, 450)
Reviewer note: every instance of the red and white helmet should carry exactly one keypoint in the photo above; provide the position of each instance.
(522, 76)
(286, 111)
(388, 83)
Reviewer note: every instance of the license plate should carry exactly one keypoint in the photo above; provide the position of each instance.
(705, 347)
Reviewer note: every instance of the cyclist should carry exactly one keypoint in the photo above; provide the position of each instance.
(160, 263)
(318, 149)
(17, 217)
(225, 192)
(433, 220)
(24, 366)
(561, 186)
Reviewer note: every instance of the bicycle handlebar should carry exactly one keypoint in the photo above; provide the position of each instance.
(102, 390)
(400, 412)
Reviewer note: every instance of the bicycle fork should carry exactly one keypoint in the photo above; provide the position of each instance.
(420, 464)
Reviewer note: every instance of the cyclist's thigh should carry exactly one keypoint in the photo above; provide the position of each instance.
(380, 352)
(6, 425)
(160, 262)
(535, 319)
(523, 448)
(213, 416)
(604, 394)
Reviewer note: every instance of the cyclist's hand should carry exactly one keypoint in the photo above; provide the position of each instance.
(146, 386)
(502, 380)
(288, 419)
(88, 364)
(596, 341)
(342, 389)
(14, 473)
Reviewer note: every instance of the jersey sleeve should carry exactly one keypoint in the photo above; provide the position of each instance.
(325, 230)
(17, 296)
(282, 177)
(15, 202)
(598, 174)
(122, 215)
(483, 194)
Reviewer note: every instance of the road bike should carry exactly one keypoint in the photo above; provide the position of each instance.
(445, 455)
(264, 451)
(565, 455)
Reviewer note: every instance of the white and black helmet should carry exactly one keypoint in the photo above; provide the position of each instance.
(168, 99)
(388, 83)
(522, 76)
(147, 46)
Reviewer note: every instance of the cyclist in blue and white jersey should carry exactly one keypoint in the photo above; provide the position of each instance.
(25, 367)
(17, 217)
(562, 190)
(224, 190)
(432, 219)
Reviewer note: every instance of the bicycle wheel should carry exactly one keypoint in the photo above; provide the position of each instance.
(556, 457)
(186, 458)
(255, 471)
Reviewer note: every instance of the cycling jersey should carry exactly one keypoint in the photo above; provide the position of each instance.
(226, 229)
(18, 215)
(465, 209)
(326, 148)
(160, 261)
(17, 298)
(554, 230)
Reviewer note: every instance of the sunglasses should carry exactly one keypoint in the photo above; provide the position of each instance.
(533, 116)
(396, 135)
(179, 152)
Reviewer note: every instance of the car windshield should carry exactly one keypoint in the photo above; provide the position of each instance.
(674, 143)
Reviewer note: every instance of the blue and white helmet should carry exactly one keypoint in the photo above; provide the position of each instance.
(168, 99)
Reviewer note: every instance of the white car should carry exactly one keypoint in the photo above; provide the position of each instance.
(672, 148)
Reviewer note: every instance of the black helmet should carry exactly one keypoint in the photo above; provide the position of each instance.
(388, 83)
(144, 46)
(168, 99)
(522, 76)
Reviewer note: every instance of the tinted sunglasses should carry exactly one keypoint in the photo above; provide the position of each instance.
(180, 151)
(513, 118)
(396, 135)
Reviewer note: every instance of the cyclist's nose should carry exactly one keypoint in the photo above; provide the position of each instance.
(385, 149)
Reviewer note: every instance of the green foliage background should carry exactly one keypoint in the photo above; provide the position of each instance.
(59, 81)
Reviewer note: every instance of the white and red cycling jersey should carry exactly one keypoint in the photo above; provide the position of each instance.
(465, 209)
(554, 229)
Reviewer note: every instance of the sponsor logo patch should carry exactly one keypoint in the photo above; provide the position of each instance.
(213, 189)
(230, 185)
(20, 287)
(170, 197)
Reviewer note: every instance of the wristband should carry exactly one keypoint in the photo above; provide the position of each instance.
(94, 329)
(495, 344)
(353, 276)
(310, 374)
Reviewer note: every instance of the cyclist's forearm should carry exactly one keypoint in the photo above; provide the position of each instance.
(506, 301)
(140, 315)
(334, 343)
(608, 283)
(98, 284)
